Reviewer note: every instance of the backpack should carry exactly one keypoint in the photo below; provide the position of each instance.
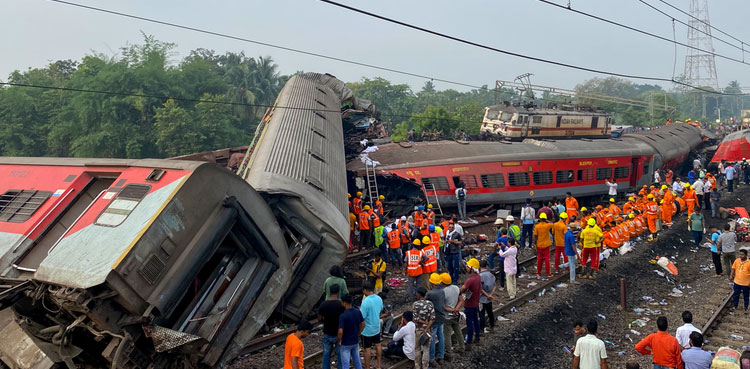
(461, 194)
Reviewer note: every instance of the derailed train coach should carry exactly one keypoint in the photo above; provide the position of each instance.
(168, 263)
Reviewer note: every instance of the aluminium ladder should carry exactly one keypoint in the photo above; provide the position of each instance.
(430, 187)
(372, 182)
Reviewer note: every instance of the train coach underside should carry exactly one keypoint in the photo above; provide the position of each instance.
(43, 325)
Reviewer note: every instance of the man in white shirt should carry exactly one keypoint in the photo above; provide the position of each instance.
(590, 352)
(698, 187)
(612, 187)
(677, 186)
(458, 228)
(683, 332)
(657, 176)
(404, 338)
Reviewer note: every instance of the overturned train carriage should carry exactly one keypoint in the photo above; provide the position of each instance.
(298, 164)
(171, 263)
(132, 263)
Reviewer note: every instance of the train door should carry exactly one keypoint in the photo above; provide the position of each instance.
(634, 172)
(594, 122)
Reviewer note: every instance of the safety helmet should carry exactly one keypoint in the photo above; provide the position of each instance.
(564, 215)
(591, 222)
(431, 228)
(686, 185)
(426, 240)
(429, 206)
(403, 218)
(650, 196)
(435, 278)
(348, 196)
(611, 199)
(381, 197)
(367, 207)
(474, 263)
(543, 216)
(584, 209)
(663, 187)
(661, 202)
(416, 242)
(359, 194)
(421, 207)
(631, 198)
(510, 218)
(446, 278)
(631, 215)
(498, 221)
(598, 207)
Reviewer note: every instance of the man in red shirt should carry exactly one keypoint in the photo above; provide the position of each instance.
(473, 285)
(664, 347)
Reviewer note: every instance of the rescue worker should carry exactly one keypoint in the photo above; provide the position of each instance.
(435, 241)
(379, 205)
(690, 199)
(631, 227)
(558, 230)
(613, 208)
(652, 211)
(514, 231)
(430, 215)
(571, 205)
(414, 267)
(543, 242)
(591, 238)
(666, 213)
(429, 262)
(357, 204)
(394, 246)
(365, 228)
(629, 206)
(418, 215)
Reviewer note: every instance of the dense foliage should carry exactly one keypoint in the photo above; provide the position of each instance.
(159, 108)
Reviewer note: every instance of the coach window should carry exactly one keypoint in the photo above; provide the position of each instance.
(564, 176)
(543, 178)
(645, 168)
(123, 204)
(518, 179)
(438, 183)
(536, 119)
(468, 180)
(494, 180)
(603, 173)
(585, 175)
(622, 172)
(17, 206)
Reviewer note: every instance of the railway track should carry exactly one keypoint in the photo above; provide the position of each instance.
(727, 327)
(527, 293)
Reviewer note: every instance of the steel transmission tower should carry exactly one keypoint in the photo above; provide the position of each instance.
(700, 67)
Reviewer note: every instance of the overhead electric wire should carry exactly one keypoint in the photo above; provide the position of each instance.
(696, 29)
(524, 56)
(702, 21)
(638, 30)
(218, 34)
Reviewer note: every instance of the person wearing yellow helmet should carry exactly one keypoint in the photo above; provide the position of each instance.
(414, 257)
(379, 206)
(629, 205)
(613, 208)
(365, 228)
(667, 206)
(690, 199)
(591, 238)
(429, 264)
(430, 215)
(543, 242)
(473, 284)
(357, 204)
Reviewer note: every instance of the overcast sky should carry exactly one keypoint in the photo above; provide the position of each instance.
(36, 32)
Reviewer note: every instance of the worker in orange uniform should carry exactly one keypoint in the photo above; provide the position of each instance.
(558, 230)
(418, 215)
(682, 205)
(585, 216)
(629, 206)
(640, 227)
(613, 208)
(591, 238)
(379, 205)
(666, 213)
(352, 226)
(608, 237)
(543, 242)
(365, 228)
(652, 211)
(616, 235)
(357, 204)
(394, 246)
(630, 222)
(414, 258)
(690, 199)
(571, 205)
(430, 215)
(374, 218)
(429, 263)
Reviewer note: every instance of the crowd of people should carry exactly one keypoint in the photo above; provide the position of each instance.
(429, 250)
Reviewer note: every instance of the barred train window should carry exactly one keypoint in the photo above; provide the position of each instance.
(622, 172)
(603, 173)
(494, 180)
(564, 176)
(438, 183)
(122, 205)
(518, 179)
(17, 206)
(542, 178)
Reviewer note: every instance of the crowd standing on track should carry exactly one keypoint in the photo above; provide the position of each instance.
(429, 250)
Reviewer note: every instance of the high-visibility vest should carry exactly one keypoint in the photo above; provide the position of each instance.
(364, 221)
(430, 216)
(423, 228)
(430, 252)
(394, 241)
(627, 207)
(379, 207)
(631, 229)
(435, 239)
(357, 205)
(403, 229)
(614, 209)
(413, 263)
(378, 233)
(375, 218)
(418, 217)
(651, 209)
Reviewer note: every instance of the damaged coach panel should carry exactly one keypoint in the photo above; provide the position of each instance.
(298, 164)
(133, 263)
